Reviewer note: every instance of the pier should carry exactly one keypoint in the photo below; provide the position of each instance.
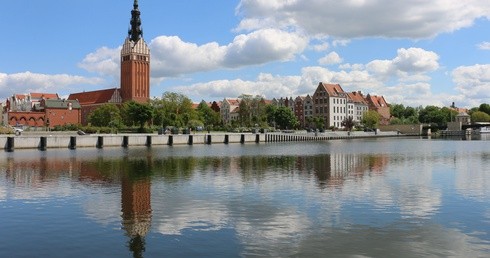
(44, 142)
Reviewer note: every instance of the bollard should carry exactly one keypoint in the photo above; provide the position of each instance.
(73, 143)
(170, 140)
(209, 139)
(125, 142)
(100, 142)
(148, 141)
(190, 141)
(10, 144)
(242, 138)
(42, 143)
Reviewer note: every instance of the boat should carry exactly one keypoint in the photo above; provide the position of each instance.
(485, 129)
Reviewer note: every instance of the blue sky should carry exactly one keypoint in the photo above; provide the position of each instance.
(412, 52)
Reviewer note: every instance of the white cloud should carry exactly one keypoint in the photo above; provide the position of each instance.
(104, 61)
(354, 19)
(321, 47)
(33, 82)
(331, 58)
(402, 79)
(484, 45)
(473, 82)
(409, 65)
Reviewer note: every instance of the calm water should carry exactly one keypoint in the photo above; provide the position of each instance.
(353, 198)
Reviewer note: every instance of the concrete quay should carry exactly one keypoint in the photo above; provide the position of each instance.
(73, 141)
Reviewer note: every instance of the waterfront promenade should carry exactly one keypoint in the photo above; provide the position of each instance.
(71, 140)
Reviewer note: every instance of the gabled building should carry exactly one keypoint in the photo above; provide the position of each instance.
(48, 112)
(303, 108)
(356, 106)
(91, 100)
(330, 102)
(229, 110)
(379, 104)
(25, 102)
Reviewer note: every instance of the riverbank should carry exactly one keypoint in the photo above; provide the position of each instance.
(70, 140)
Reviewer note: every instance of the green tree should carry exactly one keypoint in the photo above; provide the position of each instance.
(270, 111)
(371, 119)
(436, 115)
(485, 108)
(207, 115)
(173, 109)
(245, 110)
(480, 116)
(137, 113)
(285, 118)
(105, 115)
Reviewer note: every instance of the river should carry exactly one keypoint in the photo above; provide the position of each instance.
(386, 197)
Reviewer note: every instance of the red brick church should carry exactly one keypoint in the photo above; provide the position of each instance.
(135, 73)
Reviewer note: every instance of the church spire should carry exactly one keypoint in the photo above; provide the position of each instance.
(135, 32)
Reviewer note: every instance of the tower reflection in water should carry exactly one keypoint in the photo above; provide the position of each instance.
(136, 204)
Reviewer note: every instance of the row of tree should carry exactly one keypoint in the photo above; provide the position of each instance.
(435, 115)
(176, 110)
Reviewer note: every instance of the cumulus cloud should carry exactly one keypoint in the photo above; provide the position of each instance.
(331, 58)
(403, 79)
(484, 45)
(409, 64)
(34, 82)
(173, 57)
(473, 82)
(104, 61)
(355, 19)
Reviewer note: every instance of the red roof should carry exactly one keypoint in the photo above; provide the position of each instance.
(93, 97)
(333, 90)
(45, 95)
(377, 101)
(356, 97)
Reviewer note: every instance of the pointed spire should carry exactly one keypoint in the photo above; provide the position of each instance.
(135, 32)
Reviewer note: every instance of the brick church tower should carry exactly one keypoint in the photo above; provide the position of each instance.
(135, 62)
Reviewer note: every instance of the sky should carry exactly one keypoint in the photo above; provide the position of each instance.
(413, 52)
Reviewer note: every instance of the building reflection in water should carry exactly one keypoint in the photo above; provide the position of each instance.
(134, 176)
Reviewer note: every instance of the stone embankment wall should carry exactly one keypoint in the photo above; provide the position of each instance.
(43, 142)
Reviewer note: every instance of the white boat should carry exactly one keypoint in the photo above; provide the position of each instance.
(485, 129)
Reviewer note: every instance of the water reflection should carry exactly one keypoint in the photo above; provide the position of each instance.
(272, 205)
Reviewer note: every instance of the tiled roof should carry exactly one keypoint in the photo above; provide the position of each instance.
(58, 103)
(44, 95)
(233, 102)
(93, 97)
(333, 90)
(356, 97)
(377, 101)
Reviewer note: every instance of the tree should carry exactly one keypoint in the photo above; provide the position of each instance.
(285, 118)
(436, 115)
(480, 116)
(105, 115)
(207, 115)
(173, 109)
(137, 113)
(370, 119)
(348, 123)
(485, 108)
